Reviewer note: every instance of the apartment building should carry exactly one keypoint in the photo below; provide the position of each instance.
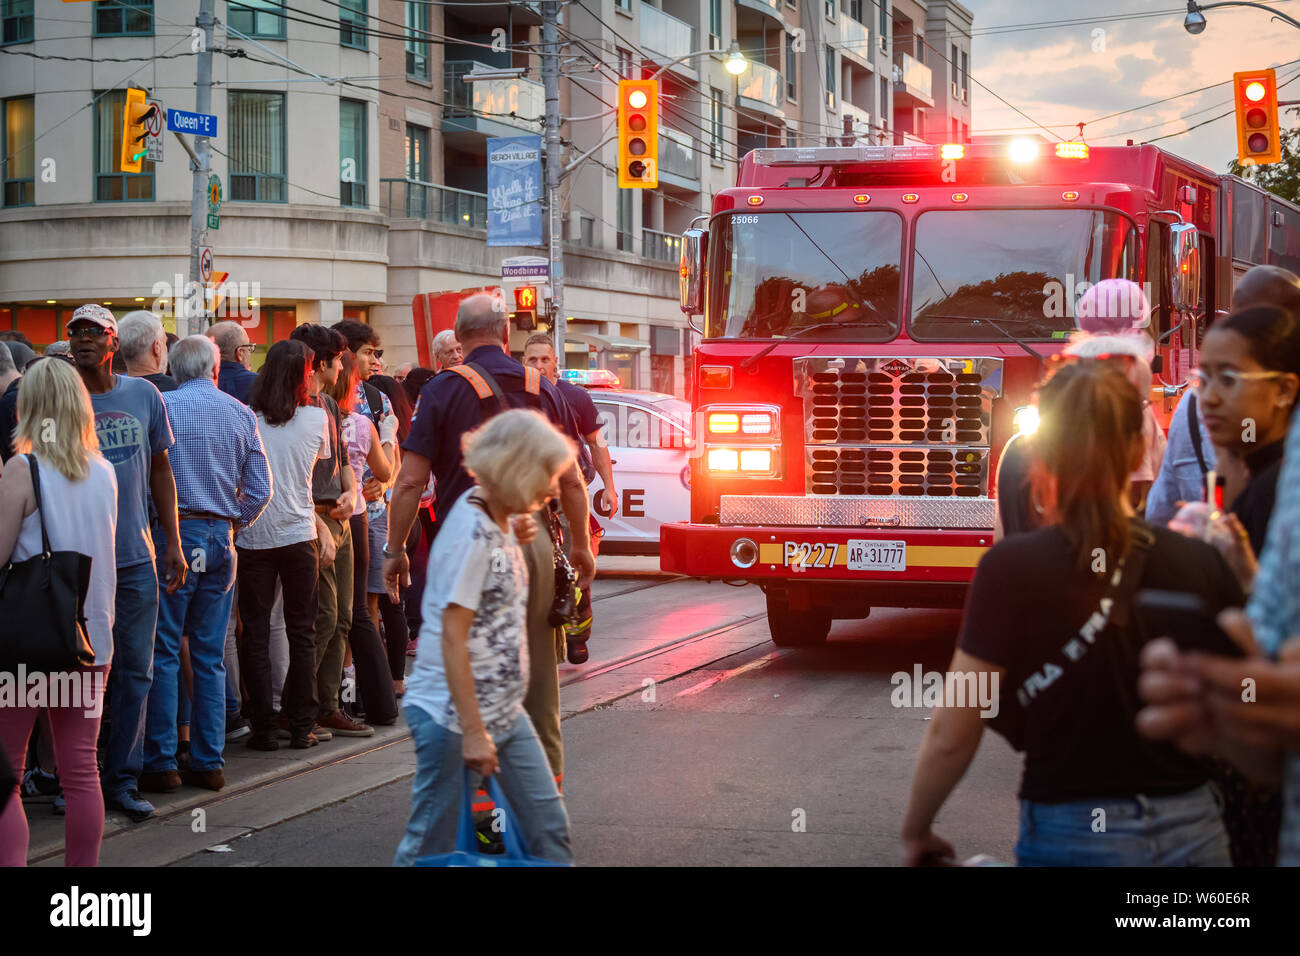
(352, 149)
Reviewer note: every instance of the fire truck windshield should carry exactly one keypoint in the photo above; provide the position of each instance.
(1023, 268)
(775, 274)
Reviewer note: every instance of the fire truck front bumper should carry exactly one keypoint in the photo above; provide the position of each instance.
(796, 554)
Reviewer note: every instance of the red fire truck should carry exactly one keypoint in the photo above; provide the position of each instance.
(875, 317)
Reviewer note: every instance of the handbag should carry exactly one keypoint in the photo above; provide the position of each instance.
(43, 605)
(467, 853)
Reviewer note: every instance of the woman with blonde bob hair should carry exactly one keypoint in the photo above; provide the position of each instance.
(464, 700)
(55, 439)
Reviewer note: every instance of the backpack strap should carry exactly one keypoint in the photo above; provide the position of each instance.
(375, 399)
(1194, 427)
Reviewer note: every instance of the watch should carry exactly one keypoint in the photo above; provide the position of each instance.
(389, 554)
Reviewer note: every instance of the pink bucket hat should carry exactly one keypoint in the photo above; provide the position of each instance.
(1113, 306)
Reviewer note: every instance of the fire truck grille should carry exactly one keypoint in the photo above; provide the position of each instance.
(948, 472)
(922, 407)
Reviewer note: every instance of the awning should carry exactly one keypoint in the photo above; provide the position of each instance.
(608, 343)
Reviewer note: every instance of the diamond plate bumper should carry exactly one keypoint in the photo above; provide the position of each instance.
(857, 511)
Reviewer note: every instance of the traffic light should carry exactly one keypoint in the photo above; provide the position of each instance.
(526, 307)
(1258, 139)
(638, 134)
(134, 133)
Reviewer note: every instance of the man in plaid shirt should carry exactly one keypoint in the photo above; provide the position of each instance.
(223, 483)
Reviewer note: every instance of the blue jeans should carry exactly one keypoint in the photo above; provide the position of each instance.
(130, 676)
(525, 778)
(200, 609)
(1185, 829)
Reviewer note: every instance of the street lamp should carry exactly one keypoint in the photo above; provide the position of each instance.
(735, 63)
(1194, 22)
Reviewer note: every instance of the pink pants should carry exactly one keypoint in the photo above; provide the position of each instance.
(75, 735)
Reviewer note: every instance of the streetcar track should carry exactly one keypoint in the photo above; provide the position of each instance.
(639, 587)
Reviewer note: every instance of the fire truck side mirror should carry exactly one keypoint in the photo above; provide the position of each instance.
(1184, 266)
(694, 244)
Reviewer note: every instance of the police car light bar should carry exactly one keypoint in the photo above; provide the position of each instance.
(591, 377)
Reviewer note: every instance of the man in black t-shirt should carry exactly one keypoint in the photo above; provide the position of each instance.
(593, 458)
(448, 407)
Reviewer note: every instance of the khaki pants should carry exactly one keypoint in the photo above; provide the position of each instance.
(333, 617)
(545, 648)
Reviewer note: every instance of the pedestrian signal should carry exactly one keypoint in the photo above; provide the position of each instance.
(638, 134)
(1258, 139)
(525, 314)
(134, 133)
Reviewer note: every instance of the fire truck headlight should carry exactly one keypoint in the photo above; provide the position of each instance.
(759, 423)
(1026, 419)
(724, 459)
(724, 423)
(744, 553)
(756, 459)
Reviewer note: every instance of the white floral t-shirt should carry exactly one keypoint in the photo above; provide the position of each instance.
(478, 566)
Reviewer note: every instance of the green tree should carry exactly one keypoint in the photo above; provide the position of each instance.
(1282, 178)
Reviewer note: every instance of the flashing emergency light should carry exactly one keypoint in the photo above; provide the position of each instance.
(1022, 150)
(715, 376)
(134, 133)
(1071, 150)
(1026, 419)
(1258, 134)
(591, 377)
(724, 423)
(638, 134)
(952, 151)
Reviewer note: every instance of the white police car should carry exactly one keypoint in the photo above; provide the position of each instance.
(648, 434)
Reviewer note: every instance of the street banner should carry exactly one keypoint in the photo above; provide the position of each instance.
(514, 191)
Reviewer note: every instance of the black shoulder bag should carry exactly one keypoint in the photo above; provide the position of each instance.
(43, 605)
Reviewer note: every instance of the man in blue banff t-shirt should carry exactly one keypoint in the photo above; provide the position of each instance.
(134, 435)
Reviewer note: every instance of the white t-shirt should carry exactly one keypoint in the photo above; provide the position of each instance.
(291, 451)
(478, 566)
(81, 516)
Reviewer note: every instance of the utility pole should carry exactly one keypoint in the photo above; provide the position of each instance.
(554, 166)
(202, 164)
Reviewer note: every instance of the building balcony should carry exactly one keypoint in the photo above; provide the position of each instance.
(666, 38)
(663, 246)
(771, 8)
(855, 42)
(912, 81)
(762, 88)
(490, 107)
(679, 162)
(862, 126)
(413, 199)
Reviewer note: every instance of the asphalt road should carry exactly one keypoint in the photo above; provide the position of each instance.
(760, 757)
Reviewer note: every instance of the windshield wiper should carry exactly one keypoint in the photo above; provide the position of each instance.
(1014, 338)
(797, 332)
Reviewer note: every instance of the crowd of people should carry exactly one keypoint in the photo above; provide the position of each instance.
(245, 530)
(1160, 724)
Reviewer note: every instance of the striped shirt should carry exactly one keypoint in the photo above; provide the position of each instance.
(217, 460)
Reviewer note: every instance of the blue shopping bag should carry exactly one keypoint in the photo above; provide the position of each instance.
(467, 853)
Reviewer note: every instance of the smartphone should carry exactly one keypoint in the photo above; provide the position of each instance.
(1184, 618)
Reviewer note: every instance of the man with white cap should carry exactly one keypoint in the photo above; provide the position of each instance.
(134, 435)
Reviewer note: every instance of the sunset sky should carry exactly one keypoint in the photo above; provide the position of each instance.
(1066, 73)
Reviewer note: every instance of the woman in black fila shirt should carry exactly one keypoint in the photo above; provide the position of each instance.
(1049, 617)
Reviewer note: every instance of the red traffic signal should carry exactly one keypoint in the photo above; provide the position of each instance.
(638, 134)
(1258, 134)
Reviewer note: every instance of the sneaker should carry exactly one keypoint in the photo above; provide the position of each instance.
(60, 807)
(577, 651)
(489, 840)
(321, 734)
(136, 807)
(236, 727)
(160, 781)
(343, 726)
(302, 743)
(264, 741)
(37, 784)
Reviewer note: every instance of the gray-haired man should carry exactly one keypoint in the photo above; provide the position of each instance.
(143, 344)
(446, 350)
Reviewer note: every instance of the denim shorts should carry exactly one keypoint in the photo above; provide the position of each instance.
(1184, 829)
(378, 538)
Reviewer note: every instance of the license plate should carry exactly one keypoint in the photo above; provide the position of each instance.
(877, 555)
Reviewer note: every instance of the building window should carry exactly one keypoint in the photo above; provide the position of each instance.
(956, 77)
(352, 153)
(624, 63)
(624, 224)
(965, 77)
(715, 125)
(417, 152)
(884, 20)
(830, 78)
(965, 133)
(116, 18)
(256, 18)
(791, 68)
(624, 5)
(587, 231)
(16, 21)
(956, 131)
(417, 50)
(855, 10)
(715, 24)
(791, 137)
(829, 8)
(352, 24)
(17, 141)
(111, 184)
(257, 146)
(884, 112)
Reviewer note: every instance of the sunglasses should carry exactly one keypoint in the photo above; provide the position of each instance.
(377, 353)
(89, 331)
